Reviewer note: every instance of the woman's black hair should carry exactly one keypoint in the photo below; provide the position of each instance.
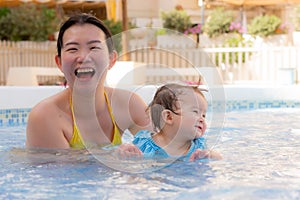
(84, 18)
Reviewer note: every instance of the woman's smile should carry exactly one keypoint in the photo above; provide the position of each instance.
(86, 72)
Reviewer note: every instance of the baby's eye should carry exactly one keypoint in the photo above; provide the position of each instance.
(203, 115)
(195, 111)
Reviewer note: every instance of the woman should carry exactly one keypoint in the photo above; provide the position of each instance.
(87, 113)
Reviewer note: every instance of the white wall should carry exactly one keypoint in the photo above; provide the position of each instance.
(26, 97)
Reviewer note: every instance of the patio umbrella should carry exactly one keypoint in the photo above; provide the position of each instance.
(259, 2)
(53, 3)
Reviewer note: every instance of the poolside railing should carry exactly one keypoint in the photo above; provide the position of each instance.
(269, 64)
(24, 54)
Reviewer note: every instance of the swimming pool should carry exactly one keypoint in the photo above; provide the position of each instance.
(259, 141)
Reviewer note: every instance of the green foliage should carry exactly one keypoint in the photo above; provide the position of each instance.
(160, 31)
(177, 20)
(4, 11)
(116, 29)
(264, 25)
(237, 41)
(28, 22)
(296, 19)
(218, 22)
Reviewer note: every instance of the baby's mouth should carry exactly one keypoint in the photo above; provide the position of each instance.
(199, 128)
(84, 72)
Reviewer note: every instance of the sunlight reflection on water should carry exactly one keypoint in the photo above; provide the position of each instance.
(261, 161)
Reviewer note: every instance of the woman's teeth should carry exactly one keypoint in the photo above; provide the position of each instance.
(84, 72)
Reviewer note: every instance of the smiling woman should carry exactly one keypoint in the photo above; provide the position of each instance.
(81, 116)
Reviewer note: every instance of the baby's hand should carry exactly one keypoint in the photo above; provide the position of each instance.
(128, 150)
(199, 154)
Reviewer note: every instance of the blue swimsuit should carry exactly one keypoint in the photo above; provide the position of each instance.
(143, 140)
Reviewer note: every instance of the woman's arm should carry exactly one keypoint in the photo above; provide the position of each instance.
(44, 128)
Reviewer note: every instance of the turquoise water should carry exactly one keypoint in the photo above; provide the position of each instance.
(261, 161)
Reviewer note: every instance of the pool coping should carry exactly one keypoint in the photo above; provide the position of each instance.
(16, 102)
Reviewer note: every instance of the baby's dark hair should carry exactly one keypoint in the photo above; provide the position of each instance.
(166, 97)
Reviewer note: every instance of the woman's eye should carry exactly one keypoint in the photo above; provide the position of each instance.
(95, 47)
(72, 49)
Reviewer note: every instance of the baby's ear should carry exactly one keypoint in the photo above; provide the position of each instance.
(167, 116)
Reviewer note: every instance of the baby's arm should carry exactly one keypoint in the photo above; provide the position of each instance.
(128, 150)
(199, 154)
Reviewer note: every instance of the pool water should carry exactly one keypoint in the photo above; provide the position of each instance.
(261, 160)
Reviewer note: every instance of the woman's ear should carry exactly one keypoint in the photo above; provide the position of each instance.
(58, 62)
(112, 59)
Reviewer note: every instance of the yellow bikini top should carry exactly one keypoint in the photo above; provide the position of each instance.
(77, 141)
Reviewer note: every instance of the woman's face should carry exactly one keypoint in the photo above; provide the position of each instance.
(84, 55)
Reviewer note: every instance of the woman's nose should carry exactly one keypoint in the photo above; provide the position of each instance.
(83, 56)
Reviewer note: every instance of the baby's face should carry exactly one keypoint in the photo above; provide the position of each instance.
(192, 113)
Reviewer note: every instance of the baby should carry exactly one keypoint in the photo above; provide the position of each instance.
(178, 116)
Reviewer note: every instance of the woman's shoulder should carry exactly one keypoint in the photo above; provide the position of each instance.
(50, 104)
(123, 96)
(129, 109)
(121, 93)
